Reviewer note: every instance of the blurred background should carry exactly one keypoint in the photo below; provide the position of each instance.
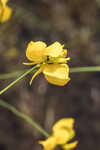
(74, 23)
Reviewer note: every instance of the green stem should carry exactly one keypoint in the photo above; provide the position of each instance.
(25, 117)
(85, 69)
(21, 77)
(11, 75)
(72, 70)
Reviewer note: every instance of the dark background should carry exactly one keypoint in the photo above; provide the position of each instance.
(75, 23)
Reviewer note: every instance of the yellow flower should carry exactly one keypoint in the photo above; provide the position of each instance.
(62, 133)
(52, 60)
(5, 11)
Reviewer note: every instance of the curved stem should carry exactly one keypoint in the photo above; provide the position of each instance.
(25, 117)
(18, 79)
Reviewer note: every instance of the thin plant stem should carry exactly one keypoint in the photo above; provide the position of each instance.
(85, 69)
(18, 79)
(24, 116)
(72, 70)
(11, 75)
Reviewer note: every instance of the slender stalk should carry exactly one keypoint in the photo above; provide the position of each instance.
(11, 75)
(85, 69)
(25, 117)
(72, 70)
(18, 79)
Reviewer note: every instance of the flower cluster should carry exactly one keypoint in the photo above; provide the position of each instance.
(62, 133)
(5, 11)
(52, 60)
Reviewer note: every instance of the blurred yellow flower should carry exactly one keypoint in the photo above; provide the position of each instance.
(62, 133)
(11, 54)
(5, 11)
(52, 60)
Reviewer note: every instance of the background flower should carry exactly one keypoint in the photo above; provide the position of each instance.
(61, 135)
(5, 11)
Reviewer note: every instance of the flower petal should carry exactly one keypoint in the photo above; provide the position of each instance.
(1, 9)
(62, 136)
(65, 123)
(35, 51)
(4, 1)
(64, 54)
(70, 145)
(63, 130)
(6, 14)
(29, 64)
(49, 144)
(35, 74)
(54, 50)
(57, 74)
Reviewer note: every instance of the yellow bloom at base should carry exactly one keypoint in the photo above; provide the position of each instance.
(5, 11)
(52, 60)
(62, 133)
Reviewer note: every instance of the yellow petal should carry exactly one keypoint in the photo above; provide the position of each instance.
(37, 72)
(35, 51)
(1, 9)
(4, 1)
(62, 136)
(64, 54)
(49, 144)
(29, 64)
(61, 60)
(57, 74)
(70, 145)
(6, 14)
(65, 123)
(54, 50)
